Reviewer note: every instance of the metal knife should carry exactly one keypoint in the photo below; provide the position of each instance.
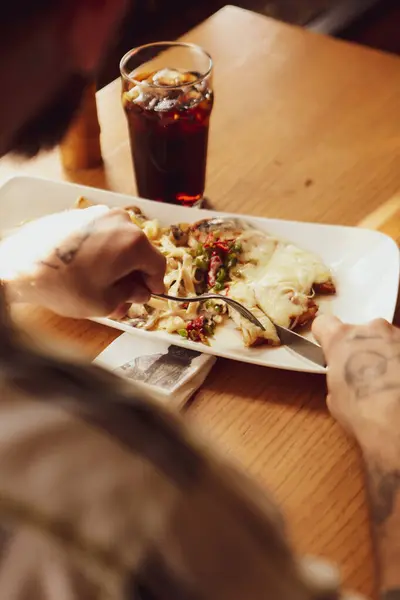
(300, 345)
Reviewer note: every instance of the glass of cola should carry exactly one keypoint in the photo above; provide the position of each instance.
(168, 97)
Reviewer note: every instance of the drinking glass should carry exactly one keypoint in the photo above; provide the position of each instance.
(168, 97)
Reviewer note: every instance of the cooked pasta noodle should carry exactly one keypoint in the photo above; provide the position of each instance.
(273, 278)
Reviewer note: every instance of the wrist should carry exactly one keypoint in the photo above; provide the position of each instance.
(381, 445)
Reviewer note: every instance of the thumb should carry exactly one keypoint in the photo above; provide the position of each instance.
(155, 283)
(325, 328)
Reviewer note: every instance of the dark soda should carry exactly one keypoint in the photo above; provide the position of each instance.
(168, 130)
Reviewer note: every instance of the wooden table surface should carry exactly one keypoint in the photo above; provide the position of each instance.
(306, 128)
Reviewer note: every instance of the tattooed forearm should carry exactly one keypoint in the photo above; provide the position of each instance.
(66, 255)
(384, 487)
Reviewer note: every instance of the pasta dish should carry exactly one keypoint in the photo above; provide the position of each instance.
(273, 278)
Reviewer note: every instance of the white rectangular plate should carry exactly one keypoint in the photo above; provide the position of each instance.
(365, 264)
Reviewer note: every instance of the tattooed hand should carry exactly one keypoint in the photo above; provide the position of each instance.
(364, 396)
(81, 263)
(363, 376)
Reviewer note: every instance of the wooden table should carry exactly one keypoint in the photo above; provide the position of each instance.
(305, 128)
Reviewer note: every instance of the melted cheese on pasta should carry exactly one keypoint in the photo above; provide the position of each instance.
(281, 279)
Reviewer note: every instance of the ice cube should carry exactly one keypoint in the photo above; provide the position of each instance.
(202, 86)
(187, 77)
(132, 94)
(190, 98)
(168, 77)
(152, 104)
(142, 94)
(165, 104)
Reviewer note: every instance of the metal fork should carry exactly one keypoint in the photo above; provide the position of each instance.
(242, 310)
(295, 342)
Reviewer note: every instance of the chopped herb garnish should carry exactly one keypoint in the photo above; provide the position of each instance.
(201, 262)
(231, 260)
(221, 275)
(209, 328)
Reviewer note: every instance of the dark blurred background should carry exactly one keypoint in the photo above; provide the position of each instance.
(375, 23)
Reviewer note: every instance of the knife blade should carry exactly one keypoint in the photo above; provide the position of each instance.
(299, 344)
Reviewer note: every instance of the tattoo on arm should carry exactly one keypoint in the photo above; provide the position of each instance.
(384, 487)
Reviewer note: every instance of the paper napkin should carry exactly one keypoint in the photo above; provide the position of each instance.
(167, 373)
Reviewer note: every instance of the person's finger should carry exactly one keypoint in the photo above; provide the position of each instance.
(155, 281)
(130, 289)
(119, 214)
(92, 212)
(136, 253)
(140, 294)
(120, 311)
(152, 267)
(324, 328)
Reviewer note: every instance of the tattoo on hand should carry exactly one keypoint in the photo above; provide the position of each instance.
(369, 336)
(384, 487)
(50, 265)
(365, 370)
(67, 255)
(365, 336)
